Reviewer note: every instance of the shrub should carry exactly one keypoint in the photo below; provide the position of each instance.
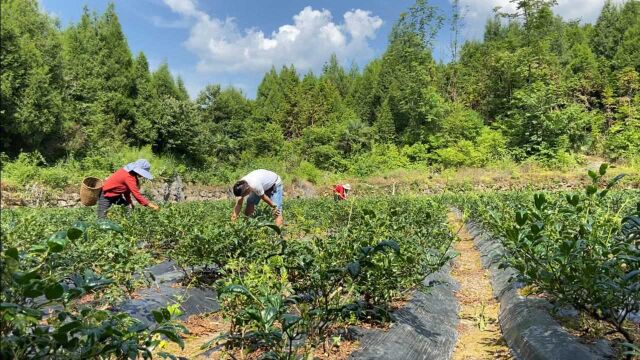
(383, 157)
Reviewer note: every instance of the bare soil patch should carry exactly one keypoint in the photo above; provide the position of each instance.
(479, 335)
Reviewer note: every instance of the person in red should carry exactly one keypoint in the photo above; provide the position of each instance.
(340, 191)
(119, 187)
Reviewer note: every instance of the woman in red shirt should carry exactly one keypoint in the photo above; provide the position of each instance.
(119, 187)
(340, 192)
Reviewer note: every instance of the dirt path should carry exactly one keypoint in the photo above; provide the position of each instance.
(479, 335)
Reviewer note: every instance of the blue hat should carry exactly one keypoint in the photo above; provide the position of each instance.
(140, 167)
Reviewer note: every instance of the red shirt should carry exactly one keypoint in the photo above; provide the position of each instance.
(122, 182)
(339, 190)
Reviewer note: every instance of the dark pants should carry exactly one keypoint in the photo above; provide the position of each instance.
(104, 203)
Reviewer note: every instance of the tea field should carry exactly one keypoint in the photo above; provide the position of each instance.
(286, 293)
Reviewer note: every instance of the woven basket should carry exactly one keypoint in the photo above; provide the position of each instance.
(90, 191)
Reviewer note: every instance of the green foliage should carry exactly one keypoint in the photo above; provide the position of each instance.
(36, 282)
(578, 248)
(31, 80)
(555, 89)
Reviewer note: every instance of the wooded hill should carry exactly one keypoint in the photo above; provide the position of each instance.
(534, 86)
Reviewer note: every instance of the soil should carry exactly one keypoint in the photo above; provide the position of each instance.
(479, 335)
(202, 329)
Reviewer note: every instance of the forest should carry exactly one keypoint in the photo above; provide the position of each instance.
(535, 87)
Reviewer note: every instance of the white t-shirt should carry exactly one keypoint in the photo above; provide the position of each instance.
(261, 180)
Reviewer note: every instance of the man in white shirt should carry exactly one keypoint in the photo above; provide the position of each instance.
(259, 185)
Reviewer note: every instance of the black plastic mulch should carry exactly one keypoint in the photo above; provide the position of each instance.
(166, 289)
(424, 329)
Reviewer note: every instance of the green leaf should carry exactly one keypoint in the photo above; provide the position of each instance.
(289, 320)
(539, 200)
(592, 174)
(12, 253)
(273, 227)
(521, 217)
(57, 241)
(108, 225)
(603, 169)
(53, 291)
(70, 326)
(23, 278)
(354, 268)
(38, 249)
(171, 335)
(56, 245)
(78, 228)
(573, 200)
(387, 244)
(591, 189)
(236, 289)
(158, 316)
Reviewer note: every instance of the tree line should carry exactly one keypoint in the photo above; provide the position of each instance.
(534, 86)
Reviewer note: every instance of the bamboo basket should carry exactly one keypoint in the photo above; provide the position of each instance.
(90, 191)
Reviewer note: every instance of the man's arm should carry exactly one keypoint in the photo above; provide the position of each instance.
(266, 199)
(237, 208)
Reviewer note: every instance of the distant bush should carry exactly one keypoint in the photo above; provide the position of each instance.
(382, 157)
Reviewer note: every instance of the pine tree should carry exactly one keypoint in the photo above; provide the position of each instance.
(606, 33)
(115, 65)
(628, 54)
(333, 72)
(164, 84)
(183, 94)
(146, 104)
(384, 127)
(31, 108)
(366, 94)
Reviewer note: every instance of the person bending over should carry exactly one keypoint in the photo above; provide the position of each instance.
(259, 185)
(341, 191)
(119, 187)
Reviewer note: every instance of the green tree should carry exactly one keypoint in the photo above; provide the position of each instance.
(31, 79)
(179, 130)
(384, 127)
(182, 92)
(366, 95)
(146, 104)
(628, 54)
(164, 84)
(335, 74)
(606, 34)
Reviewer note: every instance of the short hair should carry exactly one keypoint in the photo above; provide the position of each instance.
(240, 187)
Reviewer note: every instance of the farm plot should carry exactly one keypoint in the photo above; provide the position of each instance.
(282, 294)
(578, 250)
(334, 267)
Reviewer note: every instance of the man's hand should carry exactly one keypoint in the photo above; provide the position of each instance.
(237, 208)
(153, 206)
(276, 211)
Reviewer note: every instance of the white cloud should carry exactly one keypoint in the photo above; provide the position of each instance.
(307, 43)
(478, 11)
(161, 22)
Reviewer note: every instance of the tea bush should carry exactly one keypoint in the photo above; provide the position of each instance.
(579, 248)
(42, 317)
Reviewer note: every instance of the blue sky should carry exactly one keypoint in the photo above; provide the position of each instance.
(235, 42)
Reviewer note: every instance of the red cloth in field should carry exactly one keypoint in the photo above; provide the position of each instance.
(339, 190)
(122, 182)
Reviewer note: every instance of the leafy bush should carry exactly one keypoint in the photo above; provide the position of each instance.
(383, 157)
(579, 249)
(42, 318)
